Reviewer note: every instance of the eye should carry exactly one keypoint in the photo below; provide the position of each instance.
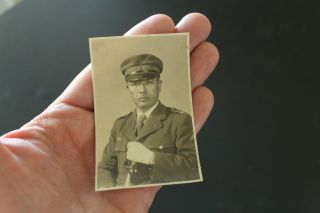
(132, 84)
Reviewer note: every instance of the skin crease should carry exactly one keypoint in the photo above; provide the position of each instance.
(48, 164)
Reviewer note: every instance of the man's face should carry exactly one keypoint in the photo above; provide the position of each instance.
(144, 93)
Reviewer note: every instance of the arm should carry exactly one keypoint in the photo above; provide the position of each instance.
(107, 168)
(62, 139)
(183, 164)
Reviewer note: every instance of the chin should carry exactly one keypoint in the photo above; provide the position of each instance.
(144, 106)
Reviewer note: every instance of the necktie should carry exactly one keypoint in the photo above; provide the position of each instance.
(140, 124)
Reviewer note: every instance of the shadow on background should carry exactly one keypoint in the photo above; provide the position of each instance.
(260, 148)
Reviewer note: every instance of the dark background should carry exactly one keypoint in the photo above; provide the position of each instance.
(259, 149)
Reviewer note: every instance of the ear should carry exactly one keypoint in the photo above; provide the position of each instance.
(160, 84)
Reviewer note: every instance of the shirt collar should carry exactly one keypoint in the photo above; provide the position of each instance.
(147, 113)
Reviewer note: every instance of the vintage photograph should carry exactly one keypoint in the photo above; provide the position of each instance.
(145, 132)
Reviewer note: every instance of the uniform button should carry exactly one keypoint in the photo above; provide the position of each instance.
(161, 147)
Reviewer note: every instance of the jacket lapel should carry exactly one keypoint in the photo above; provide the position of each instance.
(154, 122)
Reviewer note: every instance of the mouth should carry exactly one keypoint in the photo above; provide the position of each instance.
(143, 99)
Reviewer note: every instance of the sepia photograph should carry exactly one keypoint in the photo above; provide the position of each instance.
(78, 127)
(145, 134)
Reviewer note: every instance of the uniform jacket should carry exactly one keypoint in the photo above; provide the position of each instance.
(168, 132)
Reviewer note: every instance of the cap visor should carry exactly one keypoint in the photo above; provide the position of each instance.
(141, 76)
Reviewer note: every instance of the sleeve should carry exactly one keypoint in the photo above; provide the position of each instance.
(182, 165)
(107, 167)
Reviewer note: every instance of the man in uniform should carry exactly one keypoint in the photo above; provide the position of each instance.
(152, 144)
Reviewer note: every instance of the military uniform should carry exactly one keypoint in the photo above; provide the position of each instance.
(168, 133)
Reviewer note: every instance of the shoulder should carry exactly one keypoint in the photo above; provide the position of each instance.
(175, 111)
(123, 118)
(178, 114)
(179, 119)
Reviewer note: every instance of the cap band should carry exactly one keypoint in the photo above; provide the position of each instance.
(142, 76)
(141, 68)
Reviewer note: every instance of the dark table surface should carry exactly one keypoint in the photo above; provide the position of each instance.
(260, 149)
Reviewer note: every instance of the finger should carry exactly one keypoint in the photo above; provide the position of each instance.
(155, 24)
(7, 165)
(128, 155)
(8, 160)
(198, 26)
(5, 154)
(125, 198)
(203, 100)
(80, 92)
(204, 59)
(132, 144)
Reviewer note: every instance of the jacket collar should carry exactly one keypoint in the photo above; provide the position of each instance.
(154, 122)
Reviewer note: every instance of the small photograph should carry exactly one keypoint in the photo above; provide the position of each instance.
(145, 133)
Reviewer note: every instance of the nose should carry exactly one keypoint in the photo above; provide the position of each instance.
(141, 87)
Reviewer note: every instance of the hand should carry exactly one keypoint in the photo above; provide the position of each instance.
(48, 164)
(139, 153)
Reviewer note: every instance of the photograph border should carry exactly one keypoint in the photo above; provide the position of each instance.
(96, 101)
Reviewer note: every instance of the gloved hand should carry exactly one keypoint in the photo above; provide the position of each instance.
(137, 152)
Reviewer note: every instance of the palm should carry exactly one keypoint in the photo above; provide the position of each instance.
(48, 165)
(59, 159)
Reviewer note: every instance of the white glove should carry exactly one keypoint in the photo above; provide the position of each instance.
(139, 153)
